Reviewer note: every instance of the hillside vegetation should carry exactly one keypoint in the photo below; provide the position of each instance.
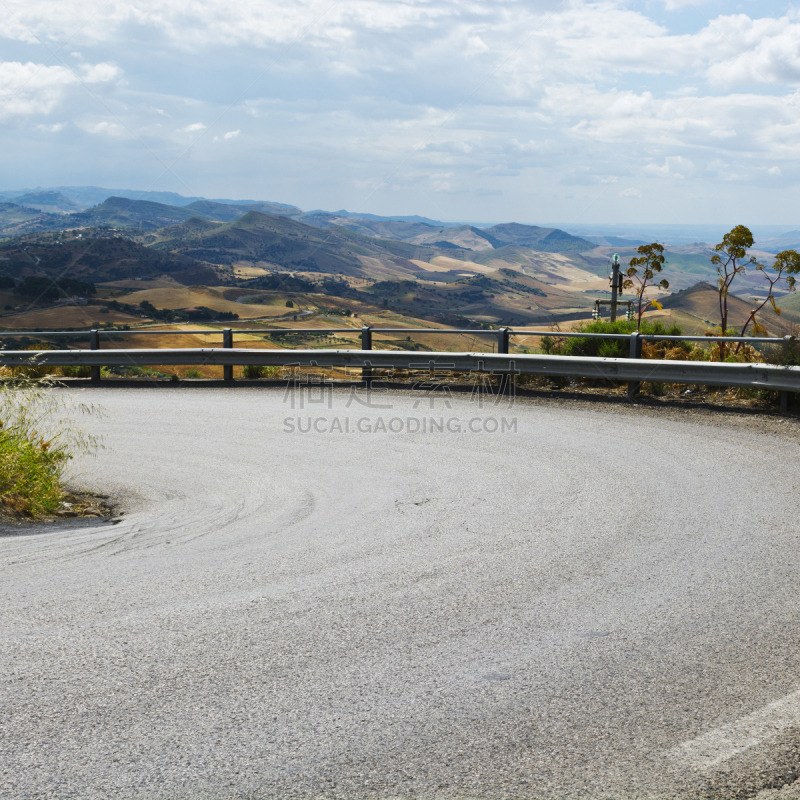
(282, 242)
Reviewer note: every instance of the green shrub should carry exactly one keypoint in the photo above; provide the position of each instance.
(38, 437)
(607, 348)
(76, 372)
(192, 372)
(253, 372)
(786, 354)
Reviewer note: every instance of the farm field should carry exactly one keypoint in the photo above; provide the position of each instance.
(66, 317)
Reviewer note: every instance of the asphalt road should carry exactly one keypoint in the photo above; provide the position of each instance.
(602, 603)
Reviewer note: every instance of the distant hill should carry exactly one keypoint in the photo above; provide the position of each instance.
(788, 241)
(227, 212)
(94, 256)
(87, 196)
(701, 302)
(790, 307)
(548, 240)
(614, 241)
(413, 218)
(121, 212)
(281, 241)
(277, 209)
(468, 237)
(222, 212)
(50, 202)
(15, 219)
(402, 230)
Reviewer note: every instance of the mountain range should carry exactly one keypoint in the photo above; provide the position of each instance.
(52, 210)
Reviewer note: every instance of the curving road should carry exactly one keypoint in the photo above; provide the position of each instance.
(600, 603)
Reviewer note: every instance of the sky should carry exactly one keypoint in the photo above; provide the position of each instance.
(534, 111)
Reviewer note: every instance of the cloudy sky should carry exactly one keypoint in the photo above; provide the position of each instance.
(567, 111)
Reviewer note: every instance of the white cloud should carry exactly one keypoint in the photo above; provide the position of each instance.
(673, 167)
(104, 127)
(439, 94)
(227, 136)
(54, 128)
(631, 193)
(37, 89)
(674, 5)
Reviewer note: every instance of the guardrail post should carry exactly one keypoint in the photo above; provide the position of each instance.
(227, 343)
(502, 340)
(784, 396)
(635, 352)
(94, 344)
(503, 337)
(366, 344)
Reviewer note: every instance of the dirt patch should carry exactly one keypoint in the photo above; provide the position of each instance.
(74, 505)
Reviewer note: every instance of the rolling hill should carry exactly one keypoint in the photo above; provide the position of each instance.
(697, 308)
(95, 256)
(120, 212)
(16, 220)
(790, 308)
(469, 237)
(547, 240)
(227, 212)
(48, 201)
(284, 242)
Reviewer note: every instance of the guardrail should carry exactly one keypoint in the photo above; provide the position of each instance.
(634, 369)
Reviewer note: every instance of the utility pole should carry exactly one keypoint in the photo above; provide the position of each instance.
(614, 284)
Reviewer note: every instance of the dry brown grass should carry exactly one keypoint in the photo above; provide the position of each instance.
(461, 266)
(66, 317)
(194, 296)
(157, 283)
(247, 270)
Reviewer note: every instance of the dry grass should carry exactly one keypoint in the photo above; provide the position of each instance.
(157, 283)
(193, 297)
(247, 270)
(65, 317)
(461, 266)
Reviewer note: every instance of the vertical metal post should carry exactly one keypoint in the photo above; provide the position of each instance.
(614, 285)
(227, 343)
(94, 344)
(502, 347)
(502, 340)
(784, 396)
(366, 344)
(635, 352)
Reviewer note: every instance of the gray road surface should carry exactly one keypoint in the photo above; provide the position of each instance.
(602, 604)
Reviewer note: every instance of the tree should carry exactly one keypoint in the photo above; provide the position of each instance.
(732, 262)
(651, 260)
(289, 304)
(784, 268)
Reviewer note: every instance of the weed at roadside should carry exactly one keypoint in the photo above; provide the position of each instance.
(38, 437)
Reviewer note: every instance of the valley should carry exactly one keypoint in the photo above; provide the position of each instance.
(215, 261)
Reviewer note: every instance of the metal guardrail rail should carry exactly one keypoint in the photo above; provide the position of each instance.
(634, 369)
(502, 335)
(764, 376)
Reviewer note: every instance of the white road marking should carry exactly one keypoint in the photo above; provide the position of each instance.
(722, 743)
